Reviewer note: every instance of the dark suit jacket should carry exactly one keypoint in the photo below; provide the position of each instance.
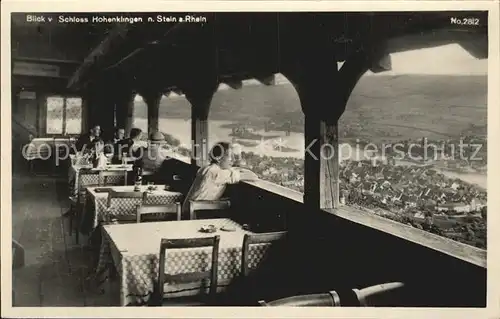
(85, 142)
(120, 147)
(124, 146)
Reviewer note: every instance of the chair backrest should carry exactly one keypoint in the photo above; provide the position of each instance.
(130, 201)
(211, 274)
(250, 239)
(115, 176)
(205, 205)
(86, 178)
(158, 212)
(116, 194)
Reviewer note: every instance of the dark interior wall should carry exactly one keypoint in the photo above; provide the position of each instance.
(327, 252)
(50, 40)
(32, 113)
(25, 110)
(332, 253)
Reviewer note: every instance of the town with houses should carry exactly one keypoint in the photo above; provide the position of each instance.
(418, 194)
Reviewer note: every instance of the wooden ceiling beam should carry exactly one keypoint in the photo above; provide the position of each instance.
(197, 36)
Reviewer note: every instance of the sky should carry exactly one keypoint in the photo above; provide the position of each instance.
(450, 59)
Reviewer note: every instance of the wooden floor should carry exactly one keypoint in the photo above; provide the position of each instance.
(55, 267)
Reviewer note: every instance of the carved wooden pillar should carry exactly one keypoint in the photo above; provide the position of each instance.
(152, 99)
(106, 114)
(321, 158)
(200, 100)
(85, 112)
(321, 163)
(324, 98)
(323, 91)
(90, 104)
(129, 120)
(124, 108)
(100, 108)
(200, 89)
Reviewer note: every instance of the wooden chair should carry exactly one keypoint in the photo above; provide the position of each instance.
(253, 239)
(132, 196)
(252, 286)
(158, 212)
(104, 177)
(163, 278)
(41, 154)
(204, 205)
(86, 178)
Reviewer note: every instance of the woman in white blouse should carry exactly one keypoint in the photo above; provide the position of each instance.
(211, 181)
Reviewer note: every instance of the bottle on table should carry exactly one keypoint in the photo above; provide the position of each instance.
(138, 177)
(124, 158)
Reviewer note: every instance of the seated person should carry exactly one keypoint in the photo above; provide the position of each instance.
(113, 146)
(237, 157)
(85, 142)
(132, 146)
(153, 158)
(119, 135)
(211, 181)
(98, 157)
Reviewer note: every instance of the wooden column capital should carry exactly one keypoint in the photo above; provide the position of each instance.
(323, 90)
(124, 109)
(200, 98)
(101, 108)
(152, 98)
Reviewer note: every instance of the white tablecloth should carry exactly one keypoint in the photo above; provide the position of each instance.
(95, 208)
(74, 174)
(43, 147)
(134, 250)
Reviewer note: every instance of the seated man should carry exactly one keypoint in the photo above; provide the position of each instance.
(114, 145)
(85, 142)
(98, 157)
(119, 135)
(211, 181)
(153, 157)
(132, 146)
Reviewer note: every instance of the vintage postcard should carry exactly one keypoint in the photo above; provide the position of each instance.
(222, 159)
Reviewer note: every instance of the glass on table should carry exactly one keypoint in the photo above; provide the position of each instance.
(151, 186)
(109, 157)
(124, 159)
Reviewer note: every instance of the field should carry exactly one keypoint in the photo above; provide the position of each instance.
(380, 108)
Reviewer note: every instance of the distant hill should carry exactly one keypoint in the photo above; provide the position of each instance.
(388, 107)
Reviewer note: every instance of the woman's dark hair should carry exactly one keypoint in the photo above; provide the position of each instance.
(218, 151)
(135, 132)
